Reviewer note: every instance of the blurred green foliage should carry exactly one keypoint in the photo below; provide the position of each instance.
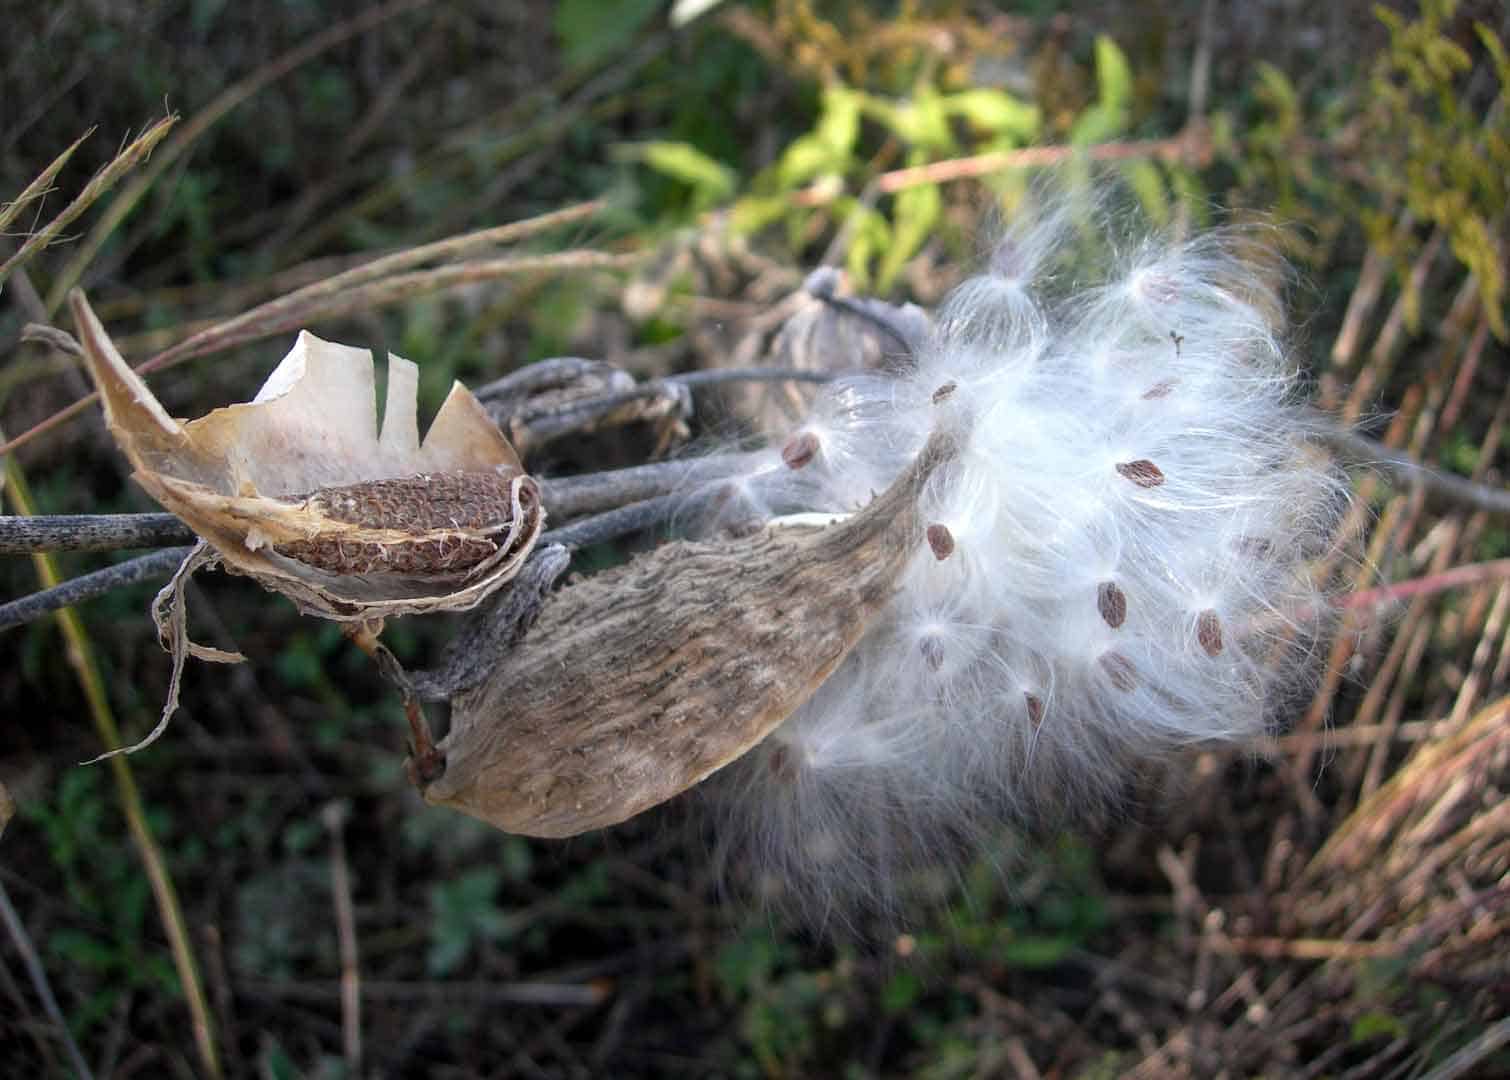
(1426, 132)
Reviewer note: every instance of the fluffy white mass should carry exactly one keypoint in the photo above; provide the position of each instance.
(1117, 567)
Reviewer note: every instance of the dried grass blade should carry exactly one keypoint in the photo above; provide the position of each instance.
(81, 657)
(40, 186)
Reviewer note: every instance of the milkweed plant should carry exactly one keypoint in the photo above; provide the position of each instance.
(1120, 565)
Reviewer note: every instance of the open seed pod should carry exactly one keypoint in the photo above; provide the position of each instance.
(298, 489)
(643, 680)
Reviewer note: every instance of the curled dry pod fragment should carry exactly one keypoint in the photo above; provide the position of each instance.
(298, 489)
(641, 681)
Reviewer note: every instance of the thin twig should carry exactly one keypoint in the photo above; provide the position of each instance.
(40, 186)
(334, 816)
(1489, 1041)
(90, 532)
(1440, 488)
(601, 528)
(80, 654)
(514, 993)
(1456, 578)
(316, 302)
(1190, 145)
(38, 975)
(564, 498)
(88, 586)
(100, 183)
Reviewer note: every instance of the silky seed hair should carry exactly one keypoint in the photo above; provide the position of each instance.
(1116, 568)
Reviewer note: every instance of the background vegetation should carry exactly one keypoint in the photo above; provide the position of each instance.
(1331, 903)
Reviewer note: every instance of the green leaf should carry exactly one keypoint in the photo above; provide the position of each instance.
(1147, 183)
(839, 122)
(462, 912)
(590, 30)
(803, 159)
(1109, 116)
(754, 212)
(710, 179)
(1378, 1025)
(1036, 952)
(997, 112)
(912, 220)
(920, 122)
(901, 992)
(869, 234)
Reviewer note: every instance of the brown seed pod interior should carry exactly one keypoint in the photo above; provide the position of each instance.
(299, 489)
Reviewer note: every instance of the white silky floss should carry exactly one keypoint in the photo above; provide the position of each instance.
(1118, 564)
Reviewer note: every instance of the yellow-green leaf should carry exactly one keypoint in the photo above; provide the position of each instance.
(710, 178)
(915, 213)
(805, 158)
(1108, 117)
(754, 212)
(997, 112)
(839, 122)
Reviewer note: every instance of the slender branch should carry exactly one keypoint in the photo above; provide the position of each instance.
(567, 497)
(38, 976)
(1440, 488)
(564, 497)
(335, 815)
(600, 528)
(90, 532)
(102, 182)
(88, 586)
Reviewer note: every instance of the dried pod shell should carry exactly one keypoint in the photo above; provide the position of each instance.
(641, 681)
(298, 489)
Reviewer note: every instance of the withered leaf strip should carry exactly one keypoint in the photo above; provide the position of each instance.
(643, 680)
(299, 489)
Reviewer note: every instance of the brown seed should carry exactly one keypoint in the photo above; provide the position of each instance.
(1142, 472)
(944, 391)
(1112, 603)
(941, 540)
(1120, 670)
(781, 765)
(800, 449)
(933, 652)
(1035, 709)
(1159, 390)
(1208, 631)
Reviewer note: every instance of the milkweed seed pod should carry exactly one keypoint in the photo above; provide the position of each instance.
(641, 681)
(1117, 566)
(299, 490)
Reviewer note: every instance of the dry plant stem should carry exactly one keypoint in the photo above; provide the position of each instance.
(90, 532)
(1191, 145)
(442, 991)
(40, 186)
(100, 183)
(564, 498)
(1441, 489)
(38, 976)
(1455, 578)
(1462, 1062)
(346, 930)
(493, 628)
(81, 658)
(424, 763)
(373, 284)
(88, 586)
(593, 530)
